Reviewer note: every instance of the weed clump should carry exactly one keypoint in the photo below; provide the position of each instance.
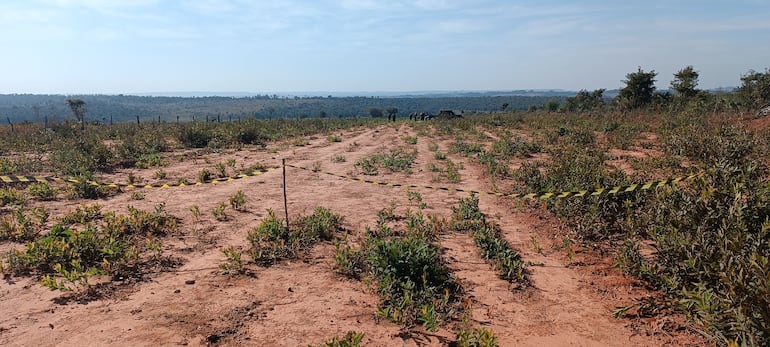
(271, 240)
(413, 282)
(68, 257)
(398, 160)
(489, 240)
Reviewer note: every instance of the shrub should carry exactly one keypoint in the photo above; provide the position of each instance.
(395, 160)
(87, 188)
(411, 276)
(82, 158)
(238, 201)
(271, 240)
(10, 196)
(68, 255)
(194, 136)
(21, 227)
(479, 337)
(712, 242)
(42, 191)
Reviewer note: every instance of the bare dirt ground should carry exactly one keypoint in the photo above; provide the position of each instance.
(295, 303)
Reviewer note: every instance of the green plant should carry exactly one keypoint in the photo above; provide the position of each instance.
(396, 160)
(233, 264)
(238, 201)
(160, 174)
(42, 191)
(20, 226)
(83, 215)
(221, 169)
(271, 240)
(110, 246)
(196, 212)
(411, 140)
(535, 245)
(334, 138)
(219, 212)
(204, 176)
(349, 261)
(416, 197)
(479, 337)
(137, 195)
(87, 188)
(10, 196)
(414, 284)
(351, 339)
(300, 142)
(489, 240)
(338, 159)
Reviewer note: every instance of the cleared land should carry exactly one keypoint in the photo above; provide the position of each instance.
(573, 287)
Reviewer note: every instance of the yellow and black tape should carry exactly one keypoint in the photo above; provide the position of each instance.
(542, 195)
(49, 179)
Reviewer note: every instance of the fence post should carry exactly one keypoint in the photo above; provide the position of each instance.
(285, 204)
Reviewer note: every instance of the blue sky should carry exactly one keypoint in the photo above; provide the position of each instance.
(137, 46)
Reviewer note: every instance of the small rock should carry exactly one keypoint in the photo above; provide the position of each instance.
(291, 290)
(177, 291)
(189, 282)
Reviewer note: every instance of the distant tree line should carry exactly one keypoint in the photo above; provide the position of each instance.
(639, 92)
(127, 108)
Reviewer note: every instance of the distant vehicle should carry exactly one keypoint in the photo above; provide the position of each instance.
(443, 114)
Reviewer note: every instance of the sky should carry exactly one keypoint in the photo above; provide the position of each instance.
(263, 46)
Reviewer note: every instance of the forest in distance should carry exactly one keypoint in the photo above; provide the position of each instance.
(18, 108)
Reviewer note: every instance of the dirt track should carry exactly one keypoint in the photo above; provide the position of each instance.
(304, 302)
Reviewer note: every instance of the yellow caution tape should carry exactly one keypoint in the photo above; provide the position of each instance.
(27, 179)
(542, 196)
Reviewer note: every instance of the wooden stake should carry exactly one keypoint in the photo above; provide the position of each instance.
(285, 204)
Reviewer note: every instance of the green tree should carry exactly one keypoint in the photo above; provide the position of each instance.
(755, 88)
(585, 101)
(504, 106)
(375, 112)
(552, 105)
(639, 89)
(78, 107)
(685, 82)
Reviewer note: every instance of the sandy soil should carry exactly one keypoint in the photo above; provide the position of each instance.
(300, 302)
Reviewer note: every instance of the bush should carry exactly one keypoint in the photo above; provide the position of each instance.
(21, 227)
(42, 191)
(82, 158)
(479, 337)
(193, 136)
(413, 282)
(395, 160)
(10, 196)
(576, 169)
(110, 247)
(712, 242)
(271, 240)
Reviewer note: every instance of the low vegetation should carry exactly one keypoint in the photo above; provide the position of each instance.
(86, 243)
